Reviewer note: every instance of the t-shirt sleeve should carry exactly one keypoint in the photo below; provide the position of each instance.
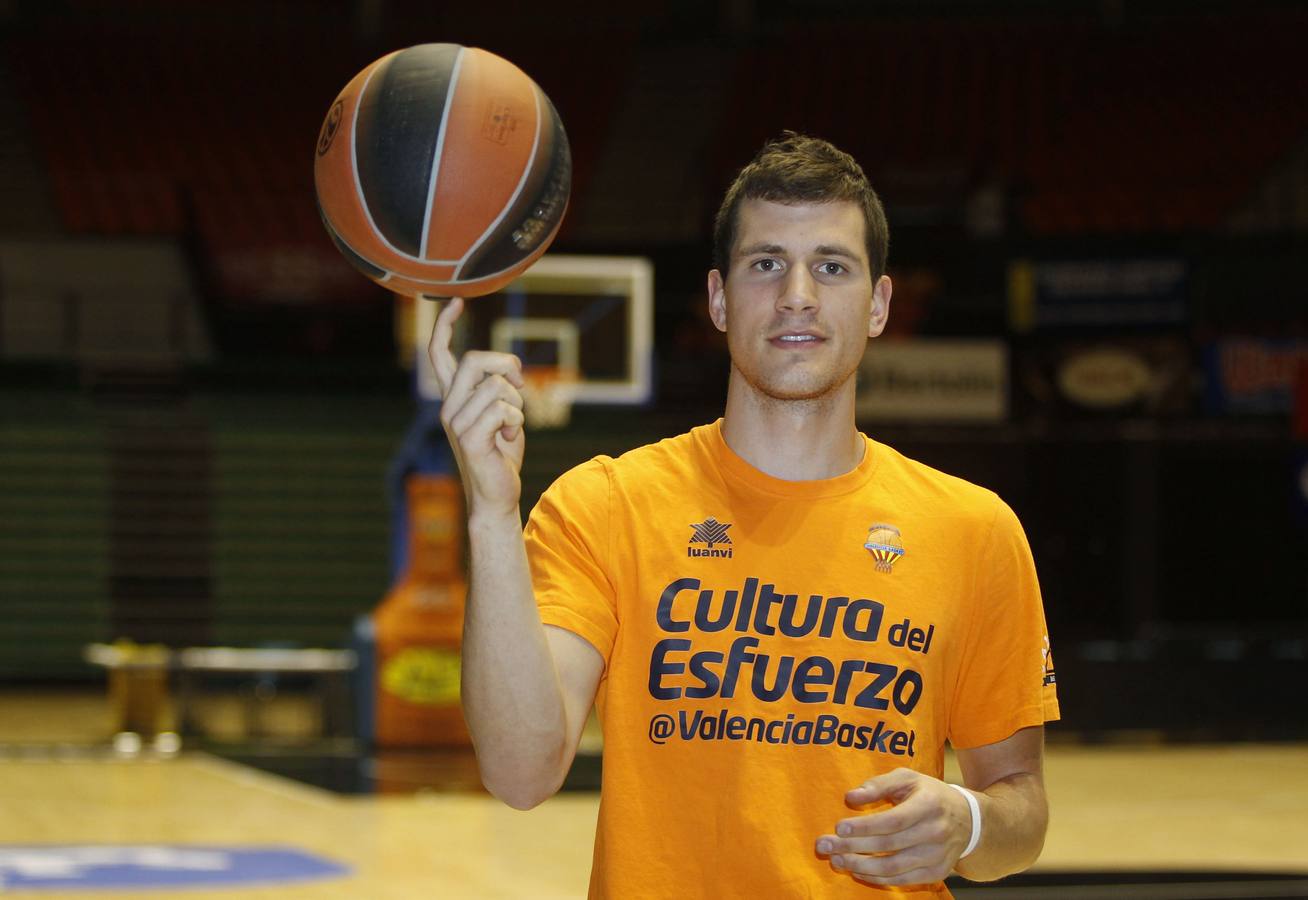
(1006, 677)
(568, 538)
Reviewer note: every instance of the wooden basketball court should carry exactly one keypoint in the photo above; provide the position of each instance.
(1128, 807)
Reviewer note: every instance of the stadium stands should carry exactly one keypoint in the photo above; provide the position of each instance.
(1162, 127)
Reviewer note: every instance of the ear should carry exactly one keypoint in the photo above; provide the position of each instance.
(717, 298)
(880, 306)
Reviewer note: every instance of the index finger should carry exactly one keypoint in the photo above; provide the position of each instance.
(893, 787)
(442, 359)
(887, 821)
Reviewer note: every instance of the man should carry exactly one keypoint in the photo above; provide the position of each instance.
(781, 620)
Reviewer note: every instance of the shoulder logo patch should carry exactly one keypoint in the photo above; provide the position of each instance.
(1047, 664)
(885, 544)
(709, 532)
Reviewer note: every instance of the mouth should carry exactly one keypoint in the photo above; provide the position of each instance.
(796, 340)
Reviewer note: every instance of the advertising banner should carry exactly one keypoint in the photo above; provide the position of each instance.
(1253, 375)
(1111, 377)
(934, 380)
(300, 275)
(1084, 294)
(271, 248)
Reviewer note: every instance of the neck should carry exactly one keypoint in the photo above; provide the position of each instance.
(798, 440)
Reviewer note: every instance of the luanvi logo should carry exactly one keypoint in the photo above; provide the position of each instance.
(710, 532)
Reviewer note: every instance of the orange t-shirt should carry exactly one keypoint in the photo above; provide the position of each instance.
(771, 644)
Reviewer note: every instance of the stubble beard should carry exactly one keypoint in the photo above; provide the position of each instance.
(794, 389)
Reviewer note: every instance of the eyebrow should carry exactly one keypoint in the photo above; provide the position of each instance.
(759, 248)
(822, 250)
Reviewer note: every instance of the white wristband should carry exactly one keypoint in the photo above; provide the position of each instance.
(976, 818)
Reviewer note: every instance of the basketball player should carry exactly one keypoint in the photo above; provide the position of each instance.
(782, 620)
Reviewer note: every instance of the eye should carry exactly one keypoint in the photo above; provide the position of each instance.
(831, 268)
(767, 264)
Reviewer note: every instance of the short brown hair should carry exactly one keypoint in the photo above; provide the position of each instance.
(796, 168)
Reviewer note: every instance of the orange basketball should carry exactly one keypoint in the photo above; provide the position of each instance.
(443, 171)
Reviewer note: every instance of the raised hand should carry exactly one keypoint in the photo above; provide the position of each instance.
(481, 411)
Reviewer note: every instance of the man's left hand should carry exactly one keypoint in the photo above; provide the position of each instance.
(916, 841)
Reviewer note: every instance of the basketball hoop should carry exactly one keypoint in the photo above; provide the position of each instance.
(547, 396)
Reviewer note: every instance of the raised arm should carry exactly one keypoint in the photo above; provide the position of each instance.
(527, 688)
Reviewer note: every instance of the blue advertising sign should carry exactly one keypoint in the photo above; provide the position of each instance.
(1097, 293)
(82, 867)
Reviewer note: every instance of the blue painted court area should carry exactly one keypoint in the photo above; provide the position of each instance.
(40, 867)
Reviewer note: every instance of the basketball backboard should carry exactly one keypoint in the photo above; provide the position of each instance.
(591, 314)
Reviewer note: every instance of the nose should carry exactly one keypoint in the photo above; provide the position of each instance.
(798, 291)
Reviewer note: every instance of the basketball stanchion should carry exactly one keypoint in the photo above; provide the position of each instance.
(548, 393)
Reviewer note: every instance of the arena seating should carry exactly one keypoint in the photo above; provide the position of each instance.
(169, 127)
(1160, 127)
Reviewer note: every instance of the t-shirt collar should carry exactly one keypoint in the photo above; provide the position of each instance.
(741, 471)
